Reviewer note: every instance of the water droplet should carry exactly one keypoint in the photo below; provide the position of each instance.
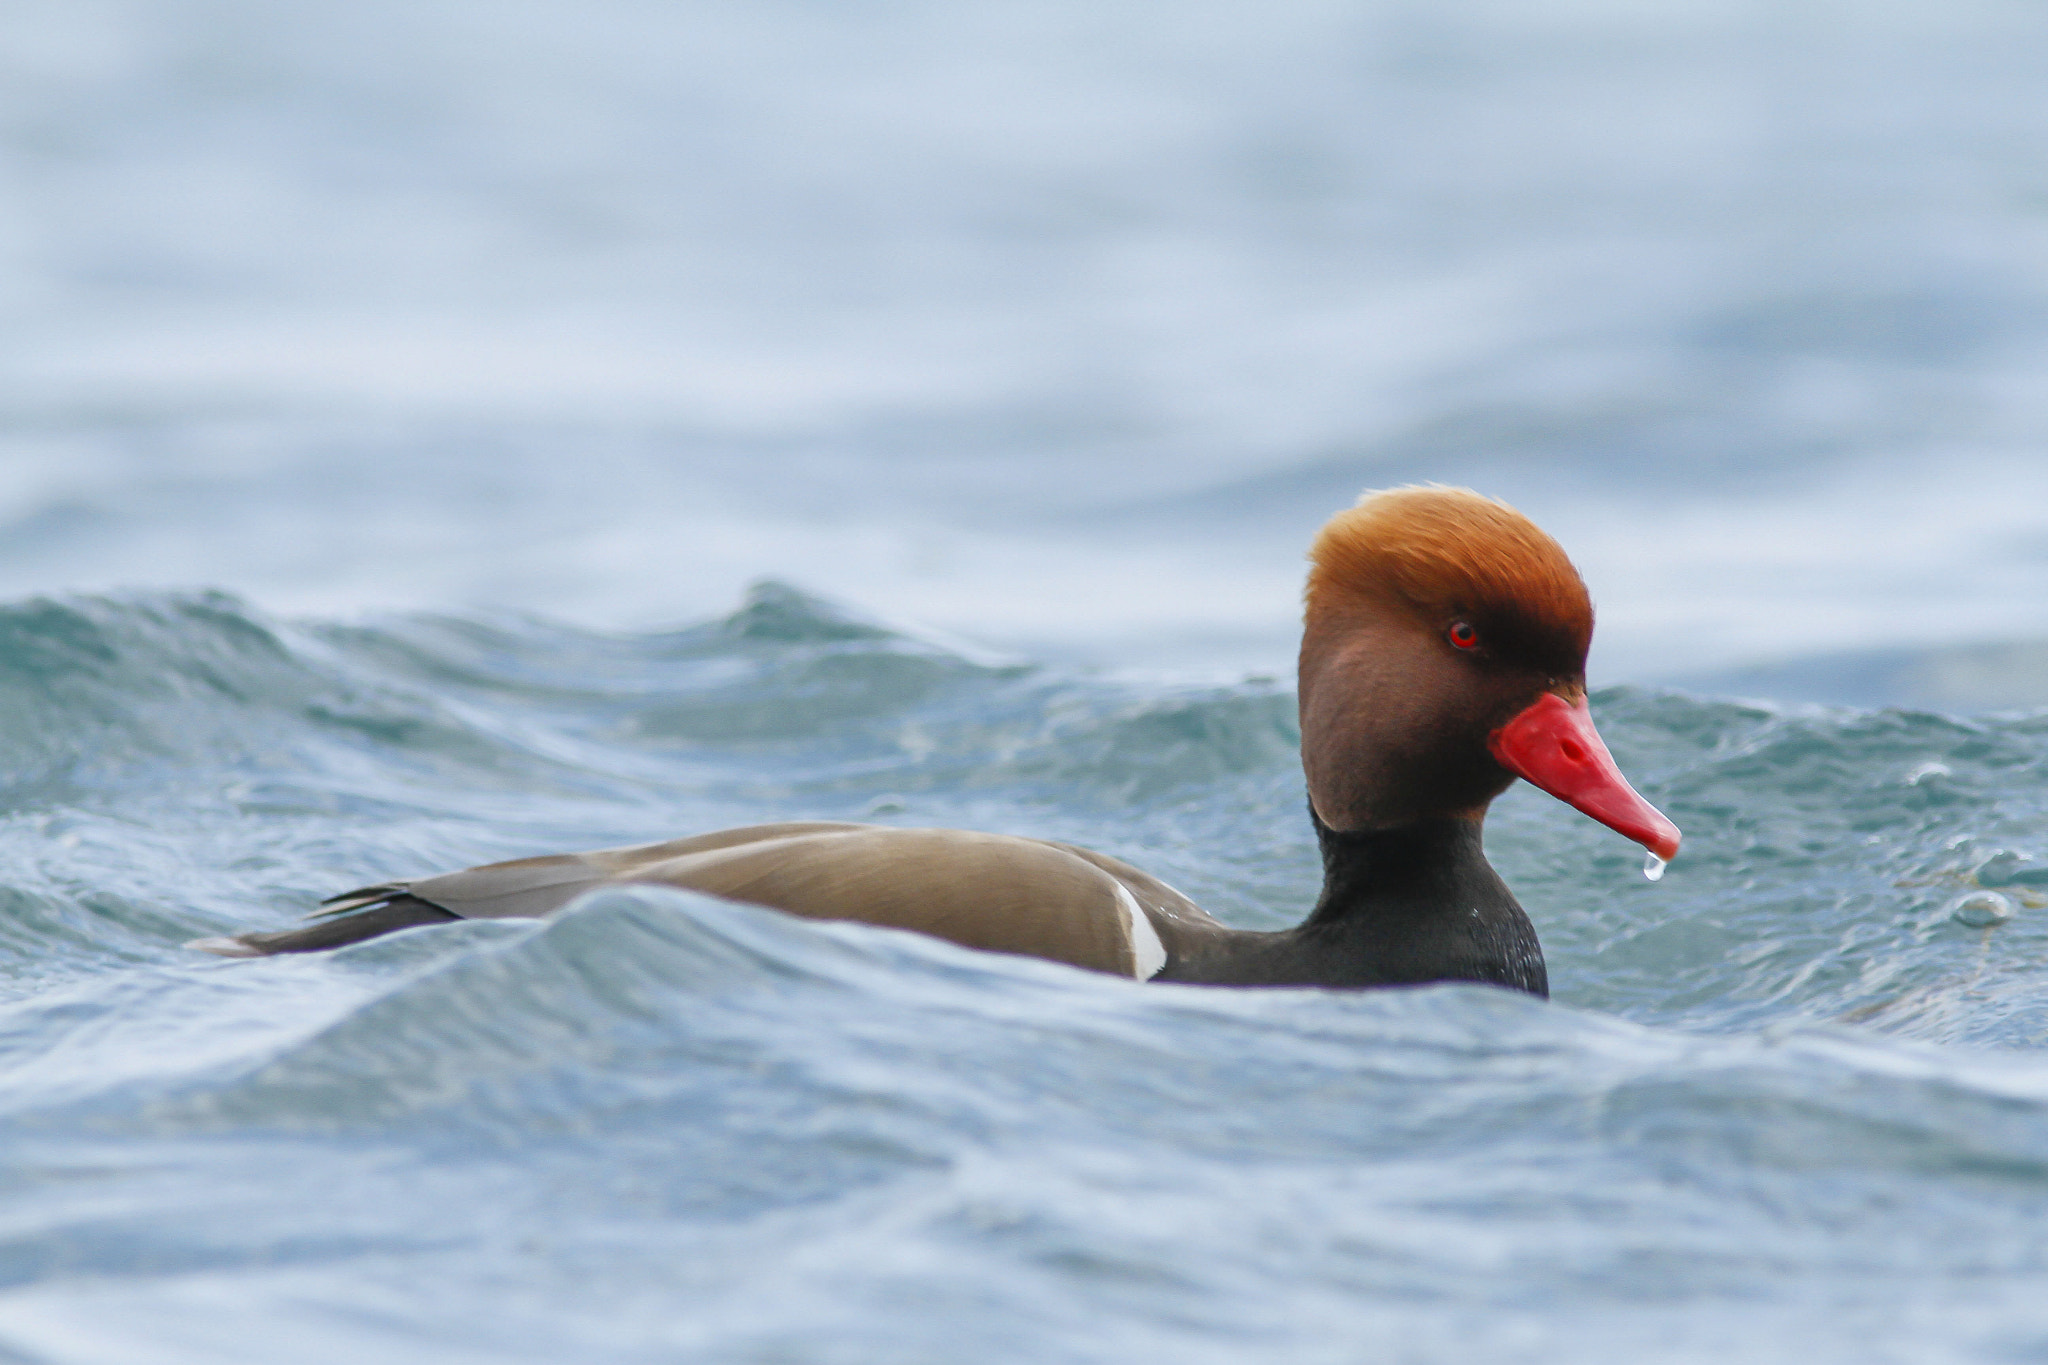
(1981, 909)
(1653, 867)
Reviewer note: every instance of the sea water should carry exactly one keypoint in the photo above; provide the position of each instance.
(1783, 1104)
(1061, 327)
(441, 432)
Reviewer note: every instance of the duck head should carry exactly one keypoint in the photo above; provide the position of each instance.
(1443, 655)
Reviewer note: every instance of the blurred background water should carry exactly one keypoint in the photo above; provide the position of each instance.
(1053, 325)
(441, 431)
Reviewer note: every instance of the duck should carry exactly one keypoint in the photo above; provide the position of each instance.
(1443, 658)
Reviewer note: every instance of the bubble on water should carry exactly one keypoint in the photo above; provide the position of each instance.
(1981, 909)
(1653, 867)
(2008, 868)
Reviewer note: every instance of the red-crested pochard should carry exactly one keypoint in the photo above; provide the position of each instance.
(1443, 656)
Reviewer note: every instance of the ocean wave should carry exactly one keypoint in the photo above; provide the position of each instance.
(649, 1005)
(103, 694)
(1824, 845)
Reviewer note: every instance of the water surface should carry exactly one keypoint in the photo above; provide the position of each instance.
(397, 400)
(1783, 1104)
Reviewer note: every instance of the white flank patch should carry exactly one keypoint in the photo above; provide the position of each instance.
(1148, 954)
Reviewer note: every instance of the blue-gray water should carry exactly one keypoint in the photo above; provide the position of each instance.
(1060, 325)
(1783, 1107)
(397, 399)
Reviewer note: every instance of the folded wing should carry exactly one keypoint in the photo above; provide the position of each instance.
(990, 891)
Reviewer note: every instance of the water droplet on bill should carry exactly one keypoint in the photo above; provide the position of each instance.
(1653, 867)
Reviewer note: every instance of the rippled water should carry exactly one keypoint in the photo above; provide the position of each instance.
(1060, 326)
(1783, 1106)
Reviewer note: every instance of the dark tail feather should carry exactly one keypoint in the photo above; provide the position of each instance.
(359, 898)
(378, 917)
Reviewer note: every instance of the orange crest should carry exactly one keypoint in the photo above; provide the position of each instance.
(1450, 554)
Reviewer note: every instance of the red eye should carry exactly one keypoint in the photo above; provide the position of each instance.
(1462, 635)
